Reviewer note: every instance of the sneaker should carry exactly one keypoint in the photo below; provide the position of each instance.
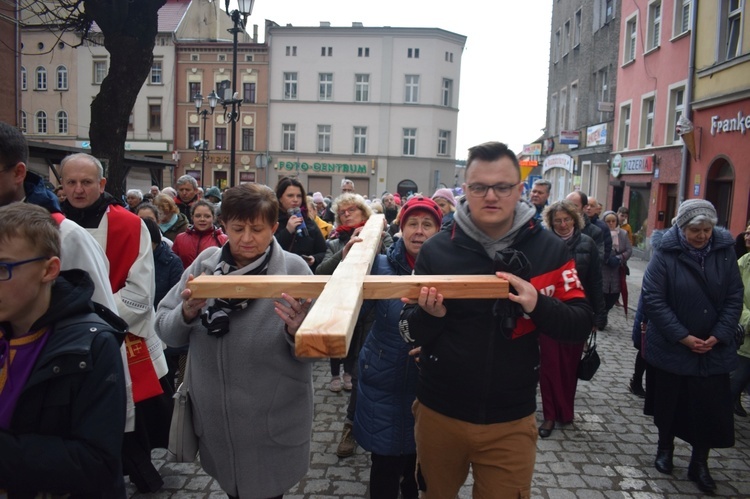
(335, 384)
(348, 445)
(347, 382)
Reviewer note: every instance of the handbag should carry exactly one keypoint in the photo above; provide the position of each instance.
(590, 361)
(183, 442)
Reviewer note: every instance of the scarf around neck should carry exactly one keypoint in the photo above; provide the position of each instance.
(697, 254)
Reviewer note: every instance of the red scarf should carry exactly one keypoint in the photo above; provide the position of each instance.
(346, 229)
(410, 260)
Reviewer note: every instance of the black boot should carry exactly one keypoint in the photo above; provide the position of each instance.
(663, 462)
(698, 472)
(636, 388)
(738, 409)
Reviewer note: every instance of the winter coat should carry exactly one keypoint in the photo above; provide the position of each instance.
(180, 226)
(314, 244)
(67, 427)
(606, 238)
(744, 264)
(383, 422)
(589, 269)
(681, 298)
(595, 233)
(472, 367)
(611, 268)
(252, 398)
(334, 252)
(192, 242)
(167, 271)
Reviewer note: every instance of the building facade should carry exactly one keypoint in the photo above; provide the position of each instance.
(10, 61)
(580, 101)
(652, 92)
(377, 105)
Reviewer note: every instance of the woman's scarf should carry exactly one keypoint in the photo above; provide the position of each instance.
(615, 241)
(216, 317)
(168, 225)
(699, 255)
(344, 232)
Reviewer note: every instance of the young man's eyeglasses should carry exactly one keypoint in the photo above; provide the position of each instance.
(6, 269)
(500, 190)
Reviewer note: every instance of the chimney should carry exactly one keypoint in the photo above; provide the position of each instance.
(325, 24)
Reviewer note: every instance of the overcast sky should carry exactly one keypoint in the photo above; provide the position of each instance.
(503, 93)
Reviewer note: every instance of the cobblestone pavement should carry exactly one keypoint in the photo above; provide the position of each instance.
(607, 452)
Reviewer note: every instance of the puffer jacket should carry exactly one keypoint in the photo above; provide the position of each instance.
(383, 422)
(681, 298)
(744, 264)
(589, 269)
(192, 243)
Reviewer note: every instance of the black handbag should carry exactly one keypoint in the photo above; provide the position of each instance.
(590, 361)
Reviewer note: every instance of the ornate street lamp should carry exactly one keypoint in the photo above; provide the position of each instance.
(239, 19)
(202, 145)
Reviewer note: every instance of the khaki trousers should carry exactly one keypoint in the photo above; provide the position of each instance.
(501, 455)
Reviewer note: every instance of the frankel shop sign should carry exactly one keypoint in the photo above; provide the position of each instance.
(322, 167)
(739, 124)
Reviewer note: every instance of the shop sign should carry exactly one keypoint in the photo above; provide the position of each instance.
(558, 161)
(596, 135)
(569, 137)
(637, 165)
(296, 166)
(616, 165)
(549, 145)
(739, 124)
(532, 150)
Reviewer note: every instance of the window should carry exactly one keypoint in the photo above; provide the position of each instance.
(654, 25)
(573, 108)
(154, 117)
(41, 78)
(609, 11)
(223, 90)
(624, 136)
(220, 134)
(412, 89)
(577, 28)
(24, 122)
(362, 88)
(62, 122)
(363, 52)
(449, 57)
(193, 135)
(325, 90)
(682, 16)
(291, 50)
(444, 140)
(566, 38)
(604, 88)
(326, 50)
(289, 133)
(195, 57)
(248, 92)
(221, 57)
(156, 73)
(604, 13)
(447, 99)
(194, 88)
(62, 78)
(360, 140)
(41, 122)
(24, 79)
(730, 28)
(248, 139)
(410, 142)
(324, 138)
(100, 72)
(553, 115)
(563, 114)
(676, 109)
(647, 122)
(630, 37)
(290, 86)
(412, 53)
(557, 47)
(248, 58)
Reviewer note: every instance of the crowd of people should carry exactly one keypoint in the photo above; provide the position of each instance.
(104, 299)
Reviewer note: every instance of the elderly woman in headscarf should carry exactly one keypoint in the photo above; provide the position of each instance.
(613, 273)
(692, 299)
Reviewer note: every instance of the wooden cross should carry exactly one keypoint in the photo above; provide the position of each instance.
(327, 330)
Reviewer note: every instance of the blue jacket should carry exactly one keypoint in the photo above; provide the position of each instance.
(168, 270)
(383, 422)
(38, 194)
(681, 298)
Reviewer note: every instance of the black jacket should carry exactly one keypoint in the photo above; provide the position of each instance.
(67, 427)
(589, 269)
(472, 368)
(313, 244)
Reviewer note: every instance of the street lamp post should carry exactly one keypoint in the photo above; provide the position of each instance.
(239, 20)
(202, 145)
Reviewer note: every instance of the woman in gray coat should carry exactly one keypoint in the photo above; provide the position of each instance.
(252, 398)
(613, 272)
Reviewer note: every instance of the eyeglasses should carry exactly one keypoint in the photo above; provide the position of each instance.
(500, 190)
(560, 221)
(348, 211)
(6, 269)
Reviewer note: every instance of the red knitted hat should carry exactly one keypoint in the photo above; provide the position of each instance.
(420, 203)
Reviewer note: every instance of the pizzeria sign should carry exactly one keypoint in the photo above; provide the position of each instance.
(632, 165)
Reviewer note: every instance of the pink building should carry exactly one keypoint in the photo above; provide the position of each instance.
(652, 78)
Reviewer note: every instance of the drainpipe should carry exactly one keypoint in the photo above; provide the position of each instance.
(688, 101)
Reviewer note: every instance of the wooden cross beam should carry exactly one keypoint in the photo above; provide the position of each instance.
(327, 330)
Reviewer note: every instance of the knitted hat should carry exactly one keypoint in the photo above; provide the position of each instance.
(213, 192)
(397, 198)
(610, 212)
(445, 194)
(691, 208)
(317, 197)
(420, 203)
